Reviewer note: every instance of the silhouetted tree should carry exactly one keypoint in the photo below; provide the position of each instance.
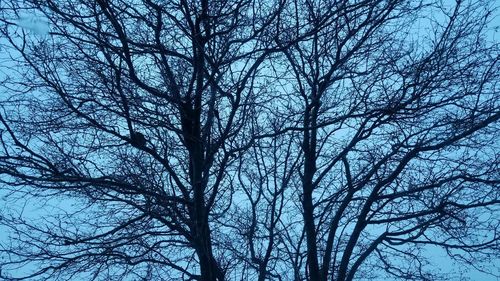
(247, 140)
(395, 104)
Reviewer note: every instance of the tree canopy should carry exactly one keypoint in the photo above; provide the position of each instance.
(248, 140)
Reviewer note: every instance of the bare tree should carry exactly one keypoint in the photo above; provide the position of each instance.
(398, 129)
(137, 109)
(248, 140)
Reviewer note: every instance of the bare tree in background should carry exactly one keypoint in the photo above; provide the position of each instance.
(249, 140)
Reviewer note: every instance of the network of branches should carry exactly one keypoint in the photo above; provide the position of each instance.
(249, 140)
